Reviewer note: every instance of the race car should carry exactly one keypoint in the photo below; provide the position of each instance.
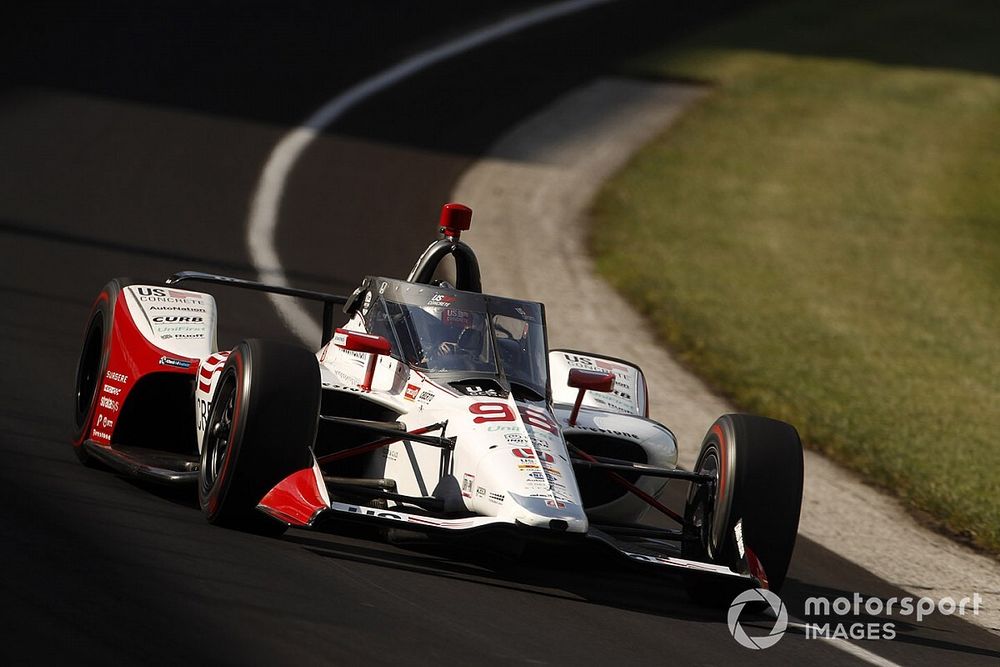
(434, 408)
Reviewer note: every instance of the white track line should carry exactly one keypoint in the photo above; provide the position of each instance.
(265, 205)
(847, 647)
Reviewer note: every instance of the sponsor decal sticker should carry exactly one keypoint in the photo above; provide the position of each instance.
(623, 434)
(411, 392)
(182, 335)
(163, 295)
(176, 363)
(476, 390)
(109, 404)
(179, 329)
(527, 453)
(540, 443)
(425, 397)
(204, 407)
(116, 377)
(441, 300)
(182, 309)
(467, 483)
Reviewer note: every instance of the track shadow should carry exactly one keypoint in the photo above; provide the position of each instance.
(937, 631)
(277, 63)
(595, 576)
(589, 577)
(85, 242)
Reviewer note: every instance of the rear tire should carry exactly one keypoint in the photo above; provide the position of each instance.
(261, 429)
(93, 363)
(757, 463)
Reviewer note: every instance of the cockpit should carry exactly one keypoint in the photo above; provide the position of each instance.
(461, 335)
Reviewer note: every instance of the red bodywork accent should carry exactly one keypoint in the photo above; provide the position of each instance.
(756, 568)
(527, 453)
(355, 341)
(130, 358)
(208, 370)
(580, 378)
(583, 380)
(296, 499)
(723, 455)
(455, 219)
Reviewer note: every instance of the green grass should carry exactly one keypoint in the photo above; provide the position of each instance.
(819, 238)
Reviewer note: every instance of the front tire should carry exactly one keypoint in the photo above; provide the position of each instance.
(757, 463)
(261, 428)
(93, 363)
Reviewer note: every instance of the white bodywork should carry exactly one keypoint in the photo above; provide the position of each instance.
(184, 324)
(510, 460)
(178, 321)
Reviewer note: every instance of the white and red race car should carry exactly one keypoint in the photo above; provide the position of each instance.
(434, 408)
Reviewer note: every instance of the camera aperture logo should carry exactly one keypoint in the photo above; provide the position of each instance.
(777, 608)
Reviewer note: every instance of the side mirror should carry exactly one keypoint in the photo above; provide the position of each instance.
(584, 380)
(355, 341)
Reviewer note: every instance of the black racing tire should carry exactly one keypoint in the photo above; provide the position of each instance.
(93, 363)
(261, 429)
(757, 463)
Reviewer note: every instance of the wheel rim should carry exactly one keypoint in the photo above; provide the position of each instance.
(219, 432)
(704, 512)
(87, 374)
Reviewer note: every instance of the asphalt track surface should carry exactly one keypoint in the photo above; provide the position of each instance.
(131, 141)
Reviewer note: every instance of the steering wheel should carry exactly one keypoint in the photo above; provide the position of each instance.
(499, 328)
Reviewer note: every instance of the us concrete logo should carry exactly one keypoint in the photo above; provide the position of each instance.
(777, 608)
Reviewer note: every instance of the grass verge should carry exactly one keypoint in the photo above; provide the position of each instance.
(820, 237)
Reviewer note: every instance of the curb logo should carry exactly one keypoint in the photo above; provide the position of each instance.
(777, 608)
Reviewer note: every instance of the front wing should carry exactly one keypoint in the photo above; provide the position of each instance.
(301, 500)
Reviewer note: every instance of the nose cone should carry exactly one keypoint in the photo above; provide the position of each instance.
(548, 513)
